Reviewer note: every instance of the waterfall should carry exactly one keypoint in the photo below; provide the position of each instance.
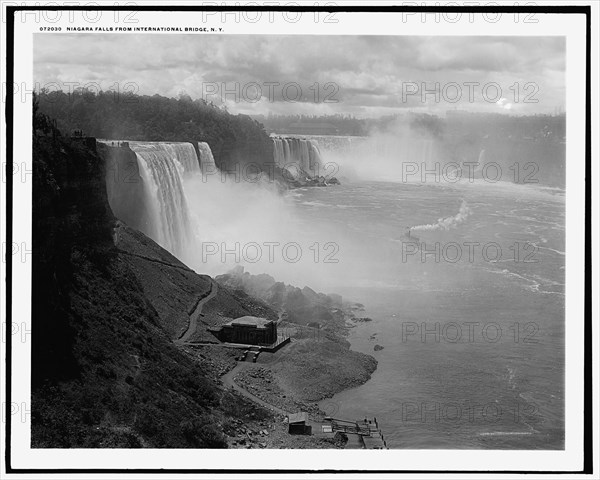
(185, 154)
(161, 167)
(144, 183)
(315, 160)
(207, 161)
(297, 153)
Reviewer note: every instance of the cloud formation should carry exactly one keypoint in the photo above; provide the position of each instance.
(359, 75)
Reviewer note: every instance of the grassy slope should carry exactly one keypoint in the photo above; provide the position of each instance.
(171, 287)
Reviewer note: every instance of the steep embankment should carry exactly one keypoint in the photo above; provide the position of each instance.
(106, 305)
(171, 287)
(124, 186)
(174, 290)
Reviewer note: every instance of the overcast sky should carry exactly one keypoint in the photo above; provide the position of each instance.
(359, 75)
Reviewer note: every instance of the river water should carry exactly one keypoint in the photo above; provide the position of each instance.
(468, 307)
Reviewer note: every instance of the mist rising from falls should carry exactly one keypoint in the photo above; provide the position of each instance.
(188, 207)
(247, 223)
(161, 167)
(213, 222)
(383, 155)
(299, 156)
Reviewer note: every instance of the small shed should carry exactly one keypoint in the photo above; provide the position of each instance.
(297, 424)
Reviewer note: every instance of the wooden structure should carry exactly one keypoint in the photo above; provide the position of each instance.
(366, 432)
(297, 424)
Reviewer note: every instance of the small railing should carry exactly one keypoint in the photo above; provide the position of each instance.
(368, 428)
(350, 427)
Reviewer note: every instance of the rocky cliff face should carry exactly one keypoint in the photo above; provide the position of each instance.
(107, 303)
(124, 186)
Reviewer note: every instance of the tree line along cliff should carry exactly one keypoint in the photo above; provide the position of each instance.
(234, 139)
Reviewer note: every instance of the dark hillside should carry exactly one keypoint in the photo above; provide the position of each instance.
(105, 371)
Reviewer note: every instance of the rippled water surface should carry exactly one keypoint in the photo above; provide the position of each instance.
(469, 308)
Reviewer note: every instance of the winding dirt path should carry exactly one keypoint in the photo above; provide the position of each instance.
(193, 325)
(156, 260)
(228, 381)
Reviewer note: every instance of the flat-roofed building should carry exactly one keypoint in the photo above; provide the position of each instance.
(247, 330)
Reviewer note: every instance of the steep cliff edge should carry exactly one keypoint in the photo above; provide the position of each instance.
(105, 372)
(124, 186)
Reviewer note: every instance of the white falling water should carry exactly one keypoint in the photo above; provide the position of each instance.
(185, 154)
(207, 161)
(161, 167)
(298, 154)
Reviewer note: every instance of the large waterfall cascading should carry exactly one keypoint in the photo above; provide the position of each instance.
(145, 187)
(299, 153)
(161, 168)
(207, 161)
(185, 154)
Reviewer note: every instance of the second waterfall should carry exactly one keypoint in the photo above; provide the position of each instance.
(299, 156)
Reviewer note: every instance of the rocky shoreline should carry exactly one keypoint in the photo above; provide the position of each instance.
(317, 364)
